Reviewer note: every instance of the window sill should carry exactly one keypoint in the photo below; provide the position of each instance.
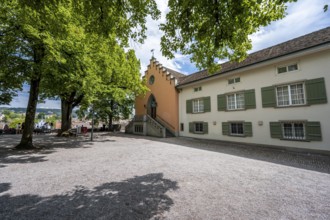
(237, 135)
(293, 106)
(195, 132)
(287, 72)
(235, 110)
(300, 140)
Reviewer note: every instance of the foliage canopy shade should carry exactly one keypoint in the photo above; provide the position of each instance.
(212, 30)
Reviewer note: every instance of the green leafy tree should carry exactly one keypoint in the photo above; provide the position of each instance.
(7, 112)
(11, 115)
(115, 98)
(5, 119)
(12, 118)
(107, 110)
(117, 90)
(41, 115)
(110, 73)
(213, 30)
(30, 32)
(15, 122)
(90, 74)
(52, 120)
(6, 94)
(34, 33)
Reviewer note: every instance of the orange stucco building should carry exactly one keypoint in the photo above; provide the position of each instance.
(161, 101)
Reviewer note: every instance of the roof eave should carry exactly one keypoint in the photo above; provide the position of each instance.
(306, 51)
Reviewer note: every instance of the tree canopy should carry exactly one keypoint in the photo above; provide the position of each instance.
(212, 30)
(40, 37)
(115, 97)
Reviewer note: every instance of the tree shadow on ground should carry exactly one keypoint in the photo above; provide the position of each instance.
(45, 144)
(141, 197)
(10, 156)
(302, 160)
(4, 187)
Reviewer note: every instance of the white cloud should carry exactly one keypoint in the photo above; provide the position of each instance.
(303, 17)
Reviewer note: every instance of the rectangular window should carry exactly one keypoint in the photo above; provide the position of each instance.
(292, 67)
(199, 127)
(138, 128)
(290, 95)
(289, 68)
(235, 101)
(234, 80)
(236, 128)
(198, 89)
(198, 105)
(294, 130)
(181, 127)
(281, 69)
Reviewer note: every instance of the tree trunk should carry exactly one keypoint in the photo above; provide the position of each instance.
(67, 105)
(110, 121)
(66, 109)
(110, 115)
(26, 140)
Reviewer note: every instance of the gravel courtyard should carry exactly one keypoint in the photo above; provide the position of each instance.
(121, 176)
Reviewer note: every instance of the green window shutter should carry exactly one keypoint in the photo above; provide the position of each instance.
(191, 127)
(205, 127)
(189, 106)
(315, 91)
(275, 129)
(250, 99)
(268, 96)
(313, 131)
(225, 128)
(207, 104)
(248, 129)
(222, 104)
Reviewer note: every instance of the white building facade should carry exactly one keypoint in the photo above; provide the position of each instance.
(277, 97)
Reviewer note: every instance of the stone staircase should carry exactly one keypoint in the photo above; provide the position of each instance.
(147, 126)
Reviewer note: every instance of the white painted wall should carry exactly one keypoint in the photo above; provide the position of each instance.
(310, 67)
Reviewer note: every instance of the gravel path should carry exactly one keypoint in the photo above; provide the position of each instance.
(121, 176)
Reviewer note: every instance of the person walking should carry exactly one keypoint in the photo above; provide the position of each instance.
(18, 128)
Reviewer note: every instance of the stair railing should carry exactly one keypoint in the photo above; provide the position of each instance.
(156, 125)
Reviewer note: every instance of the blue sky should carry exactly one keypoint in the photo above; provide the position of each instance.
(303, 16)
